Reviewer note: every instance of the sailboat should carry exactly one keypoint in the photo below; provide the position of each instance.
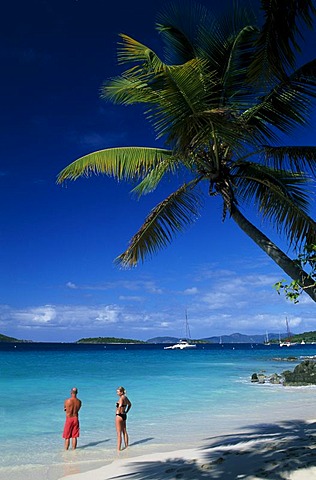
(185, 343)
(287, 342)
(267, 341)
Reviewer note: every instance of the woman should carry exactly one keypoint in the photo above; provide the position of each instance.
(122, 407)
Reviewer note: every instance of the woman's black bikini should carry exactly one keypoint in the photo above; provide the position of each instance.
(122, 415)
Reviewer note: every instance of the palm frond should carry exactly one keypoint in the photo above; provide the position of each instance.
(132, 51)
(177, 24)
(124, 163)
(180, 94)
(236, 89)
(186, 109)
(287, 105)
(303, 80)
(153, 178)
(277, 42)
(126, 90)
(218, 37)
(295, 158)
(170, 216)
(280, 196)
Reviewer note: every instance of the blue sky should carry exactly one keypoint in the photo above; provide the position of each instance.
(58, 243)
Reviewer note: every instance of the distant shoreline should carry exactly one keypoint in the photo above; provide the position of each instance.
(235, 338)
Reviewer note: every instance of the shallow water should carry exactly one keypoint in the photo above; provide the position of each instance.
(179, 398)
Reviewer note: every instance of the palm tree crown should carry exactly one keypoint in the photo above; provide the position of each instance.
(225, 93)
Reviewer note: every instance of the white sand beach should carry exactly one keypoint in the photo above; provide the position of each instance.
(276, 451)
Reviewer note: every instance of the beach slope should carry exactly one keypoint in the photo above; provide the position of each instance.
(282, 451)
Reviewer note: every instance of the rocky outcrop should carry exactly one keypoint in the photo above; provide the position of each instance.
(287, 359)
(262, 378)
(303, 374)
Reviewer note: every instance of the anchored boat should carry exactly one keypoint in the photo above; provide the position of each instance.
(185, 343)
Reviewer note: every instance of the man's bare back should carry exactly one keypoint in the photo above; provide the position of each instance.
(72, 406)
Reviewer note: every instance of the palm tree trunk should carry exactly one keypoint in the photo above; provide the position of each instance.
(279, 257)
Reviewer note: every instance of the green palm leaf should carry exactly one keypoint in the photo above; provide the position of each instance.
(152, 179)
(280, 197)
(124, 163)
(230, 42)
(186, 109)
(277, 44)
(177, 25)
(132, 51)
(170, 216)
(126, 90)
(287, 104)
(296, 158)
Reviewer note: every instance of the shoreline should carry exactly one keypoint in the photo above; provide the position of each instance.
(276, 450)
(285, 448)
(272, 443)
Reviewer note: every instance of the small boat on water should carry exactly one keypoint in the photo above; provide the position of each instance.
(287, 342)
(180, 345)
(267, 341)
(185, 343)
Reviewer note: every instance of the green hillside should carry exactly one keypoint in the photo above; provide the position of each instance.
(108, 340)
(4, 338)
(308, 337)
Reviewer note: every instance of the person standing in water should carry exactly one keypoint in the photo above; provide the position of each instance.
(72, 406)
(122, 407)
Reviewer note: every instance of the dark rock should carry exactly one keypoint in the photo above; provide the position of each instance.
(287, 359)
(275, 378)
(303, 374)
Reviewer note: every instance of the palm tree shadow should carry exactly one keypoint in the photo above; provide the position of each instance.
(92, 444)
(265, 451)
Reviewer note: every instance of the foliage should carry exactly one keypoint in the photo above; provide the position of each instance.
(308, 337)
(305, 261)
(220, 101)
(108, 340)
(4, 338)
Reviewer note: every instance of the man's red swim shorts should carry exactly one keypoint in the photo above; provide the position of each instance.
(71, 428)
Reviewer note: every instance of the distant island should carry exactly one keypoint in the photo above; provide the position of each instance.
(307, 337)
(4, 338)
(274, 338)
(109, 340)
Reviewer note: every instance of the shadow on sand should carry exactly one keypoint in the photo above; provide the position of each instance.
(143, 440)
(265, 451)
(92, 444)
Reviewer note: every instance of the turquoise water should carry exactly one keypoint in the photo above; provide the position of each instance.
(179, 397)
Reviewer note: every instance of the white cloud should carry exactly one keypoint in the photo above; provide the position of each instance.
(109, 314)
(221, 302)
(38, 316)
(148, 286)
(191, 291)
(165, 324)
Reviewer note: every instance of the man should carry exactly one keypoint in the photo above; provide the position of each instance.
(72, 406)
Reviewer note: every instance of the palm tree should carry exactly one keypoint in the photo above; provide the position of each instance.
(225, 94)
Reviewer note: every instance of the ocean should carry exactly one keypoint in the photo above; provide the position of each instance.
(179, 398)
